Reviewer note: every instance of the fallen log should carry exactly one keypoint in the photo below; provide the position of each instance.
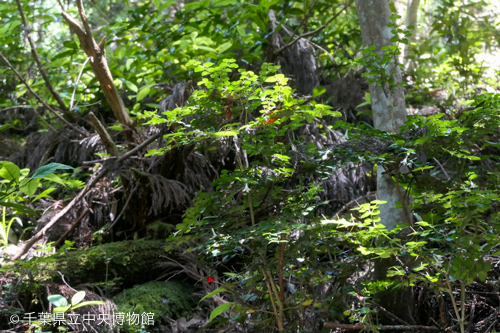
(358, 327)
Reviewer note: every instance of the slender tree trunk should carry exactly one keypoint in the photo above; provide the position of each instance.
(389, 113)
(411, 19)
(388, 104)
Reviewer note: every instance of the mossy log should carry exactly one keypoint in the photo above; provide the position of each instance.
(131, 262)
(164, 299)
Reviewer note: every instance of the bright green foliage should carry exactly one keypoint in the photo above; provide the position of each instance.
(456, 224)
(239, 219)
(379, 68)
(454, 38)
(246, 108)
(17, 187)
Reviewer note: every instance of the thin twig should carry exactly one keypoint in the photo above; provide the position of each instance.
(271, 298)
(281, 263)
(73, 226)
(358, 327)
(13, 108)
(280, 304)
(124, 207)
(96, 52)
(322, 49)
(454, 303)
(390, 314)
(102, 160)
(79, 197)
(76, 84)
(47, 106)
(351, 203)
(314, 32)
(306, 17)
(63, 280)
(442, 169)
(53, 92)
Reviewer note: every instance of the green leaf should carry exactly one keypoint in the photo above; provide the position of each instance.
(319, 91)
(215, 292)
(206, 48)
(116, 127)
(58, 300)
(19, 208)
(10, 171)
(54, 178)
(308, 302)
(224, 47)
(296, 11)
(482, 275)
(87, 303)
(225, 133)
(49, 168)
(193, 35)
(143, 93)
(61, 308)
(44, 194)
(129, 62)
(392, 7)
(30, 187)
(423, 168)
(220, 310)
(131, 86)
(77, 298)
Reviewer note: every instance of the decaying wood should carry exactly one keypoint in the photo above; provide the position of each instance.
(73, 226)
(96, 52)
(80, 196)
(127, 260)
(104, 135)
(359, 327)
(296, 60)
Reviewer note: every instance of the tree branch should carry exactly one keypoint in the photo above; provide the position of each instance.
(314, 32)
(359, 327)
(53, 92)
(80, 196)
(96, 53)
(47, 106)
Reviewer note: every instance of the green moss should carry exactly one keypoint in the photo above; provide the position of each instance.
(171, 299)
(130, 261)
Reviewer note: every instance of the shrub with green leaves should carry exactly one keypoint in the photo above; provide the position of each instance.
(17, 187)
(250, 213)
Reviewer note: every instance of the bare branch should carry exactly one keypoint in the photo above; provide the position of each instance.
(47, 106)
(53, 92)
(96, 53)
(79, 197)
(359, 327)
(314, 32)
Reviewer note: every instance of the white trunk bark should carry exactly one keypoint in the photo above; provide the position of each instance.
(388, 104)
